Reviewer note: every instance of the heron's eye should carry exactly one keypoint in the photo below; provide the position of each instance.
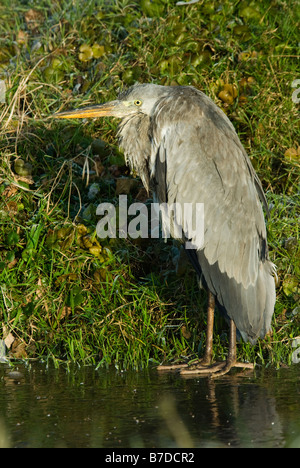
(138, 102)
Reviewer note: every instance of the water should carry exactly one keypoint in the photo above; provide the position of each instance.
(85, 407)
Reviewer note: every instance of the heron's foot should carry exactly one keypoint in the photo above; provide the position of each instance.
(198, 363)
(214, 370)
(171, 367)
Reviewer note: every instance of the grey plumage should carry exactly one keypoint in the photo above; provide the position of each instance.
(187, 151)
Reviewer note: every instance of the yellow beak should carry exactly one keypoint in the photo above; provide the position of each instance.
(102, 110)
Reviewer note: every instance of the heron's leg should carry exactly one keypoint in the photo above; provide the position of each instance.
(207, 358)
(220, 368)
(231, 358)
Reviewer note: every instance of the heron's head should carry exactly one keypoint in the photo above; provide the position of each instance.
(137, 99)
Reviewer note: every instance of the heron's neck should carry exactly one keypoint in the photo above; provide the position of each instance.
(135, 141)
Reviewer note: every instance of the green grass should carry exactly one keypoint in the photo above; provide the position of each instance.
(66, 295)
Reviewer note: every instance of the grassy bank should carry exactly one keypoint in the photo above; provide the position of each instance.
(66, 294)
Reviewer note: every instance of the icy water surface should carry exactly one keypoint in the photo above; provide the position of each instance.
(85, 407)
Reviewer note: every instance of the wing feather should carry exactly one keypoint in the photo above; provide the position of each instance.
(204, 162)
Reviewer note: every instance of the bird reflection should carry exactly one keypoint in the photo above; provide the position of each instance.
(234, 412)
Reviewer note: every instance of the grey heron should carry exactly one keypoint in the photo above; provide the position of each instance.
(184, 148)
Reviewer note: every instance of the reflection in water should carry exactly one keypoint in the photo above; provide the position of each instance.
(85, 407)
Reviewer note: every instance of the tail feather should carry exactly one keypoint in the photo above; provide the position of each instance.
(250, 308)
